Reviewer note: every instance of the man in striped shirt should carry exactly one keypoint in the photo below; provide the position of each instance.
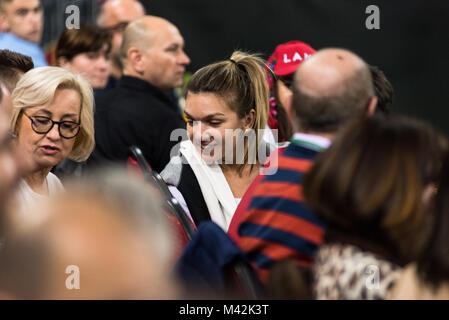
(272, 222)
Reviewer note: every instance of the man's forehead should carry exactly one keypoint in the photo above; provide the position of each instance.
(22, 4)
(168, 36)
(121, 12)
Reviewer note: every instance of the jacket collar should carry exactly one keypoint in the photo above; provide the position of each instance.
(144, 86)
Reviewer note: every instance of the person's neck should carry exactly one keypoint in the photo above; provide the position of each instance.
(239, 181)
(116, 72)
(132, 73)
(231, 168)
(37, 180)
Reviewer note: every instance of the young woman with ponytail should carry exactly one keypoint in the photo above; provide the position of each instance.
(226, 110)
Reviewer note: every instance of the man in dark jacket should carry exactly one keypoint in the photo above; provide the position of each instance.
(139, 112)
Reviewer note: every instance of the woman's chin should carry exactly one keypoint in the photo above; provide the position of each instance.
(209, 159)
(42, 164)
(209, 156)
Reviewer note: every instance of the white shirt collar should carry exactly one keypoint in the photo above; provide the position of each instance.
(320, 141)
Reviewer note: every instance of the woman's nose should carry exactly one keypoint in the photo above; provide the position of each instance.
(54, 133)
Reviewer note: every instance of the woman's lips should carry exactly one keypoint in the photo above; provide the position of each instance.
(49, 150)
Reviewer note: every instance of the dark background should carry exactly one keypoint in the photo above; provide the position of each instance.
(411, 46)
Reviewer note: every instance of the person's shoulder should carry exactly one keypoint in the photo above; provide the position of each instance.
(114, 100)
(171, 174)
(8, 39)
(407, 286)
(112, 95)
(298, 151)
(14, 43)
(54, 184)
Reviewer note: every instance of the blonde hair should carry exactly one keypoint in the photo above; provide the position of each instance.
(241, 82)
(37, 88)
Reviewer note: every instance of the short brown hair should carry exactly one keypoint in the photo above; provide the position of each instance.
(12, 66)
(383, 89)
(86, 39)
(371, 180)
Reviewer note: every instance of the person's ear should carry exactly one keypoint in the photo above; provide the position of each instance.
(63, 63)
(136, 60)
(371, 109)
(428, 194)
(4, 24)
(250, 119)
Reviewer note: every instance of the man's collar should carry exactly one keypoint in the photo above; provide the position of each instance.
(311, 141)
(145, 86)
(137, 83)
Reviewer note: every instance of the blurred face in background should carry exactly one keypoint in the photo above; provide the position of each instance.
(165, 60)
(93, 66)
(24, 18)
(92, 232)
(115, 16)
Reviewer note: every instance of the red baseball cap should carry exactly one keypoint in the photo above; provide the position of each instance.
(288, 56)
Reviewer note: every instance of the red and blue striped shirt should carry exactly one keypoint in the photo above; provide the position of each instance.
(277, 224)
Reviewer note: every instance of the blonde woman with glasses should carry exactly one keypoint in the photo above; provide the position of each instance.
(52, 120)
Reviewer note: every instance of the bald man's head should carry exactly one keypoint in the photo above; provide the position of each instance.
(329, 88)
(113, 12)
(153, 50)
(145, 33)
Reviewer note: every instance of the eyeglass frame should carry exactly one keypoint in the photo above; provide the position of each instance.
(52, 125)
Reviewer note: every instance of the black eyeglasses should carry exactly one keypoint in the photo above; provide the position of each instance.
(43, 125)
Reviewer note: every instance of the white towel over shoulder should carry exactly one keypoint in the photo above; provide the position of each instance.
(216, 192)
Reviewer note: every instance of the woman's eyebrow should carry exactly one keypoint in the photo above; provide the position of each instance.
(210, 116)
(44, 111)
(206, 117)
(49, 114)
(70, 115)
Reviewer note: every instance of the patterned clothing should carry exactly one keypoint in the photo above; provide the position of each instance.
(345, 272)
(278, 225)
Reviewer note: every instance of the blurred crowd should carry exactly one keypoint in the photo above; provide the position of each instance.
(285, 178)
